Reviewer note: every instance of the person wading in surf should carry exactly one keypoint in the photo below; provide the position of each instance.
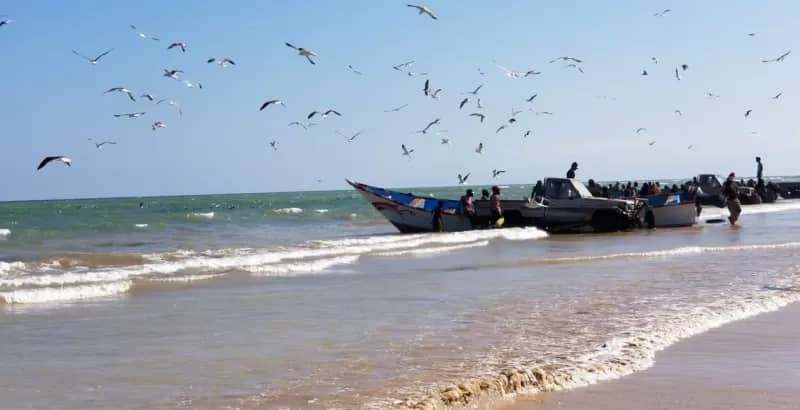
(729, 190)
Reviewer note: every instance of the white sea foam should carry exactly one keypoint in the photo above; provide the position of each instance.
(288, 211)
(6, 267)
(321, 211)
(140, 226)
(435, 250)
(65, 293)
(186, 278)
(286, 269)
(780, 206)
(200, 215)
(4, 232)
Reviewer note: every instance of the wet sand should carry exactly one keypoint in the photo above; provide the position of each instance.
(750, 364)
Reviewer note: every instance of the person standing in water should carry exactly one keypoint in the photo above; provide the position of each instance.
(438, 223)
(571, 171)
(730, 191)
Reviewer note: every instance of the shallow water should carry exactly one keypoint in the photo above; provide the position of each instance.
(334, 312)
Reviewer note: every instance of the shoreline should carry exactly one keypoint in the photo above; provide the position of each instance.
(746, 364)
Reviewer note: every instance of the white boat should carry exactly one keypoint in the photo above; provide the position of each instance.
(670, 211)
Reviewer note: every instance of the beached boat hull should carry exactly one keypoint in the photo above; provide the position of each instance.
(671, 216)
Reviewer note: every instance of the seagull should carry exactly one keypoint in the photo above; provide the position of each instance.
(179, 44)
(517, 74)
(57, 158)
(144, 36)
(638, 130)
(351, 137)
(684, 67)
(712, 95)
(4, 22)
(500, 128)
(778, 59)
(354, 70)
(479, 150)
(435, 94)
(496, 172)
(221, 62)
(573, 59)
(173, 74)
(751, 34)
(399, 67)
(480, 107)
(528, 132)
(274, 145)
(92, 61)
(678, 113)
(690, 146)
(427, 127)
(475, 91)
(479, 115)
(171, 103)
(158, 124)
(747, 113)
(427, 88)
(463, 103)
(533, 97)
(190, 84)
(515, 112)
(148, 96)
(100, 144)
(423, 10)
(406, 152)
(462, 179)
(538, 113)
(481, 71)
(512, 120)
(575, 66)
(303, 52)
(644, 72)
(677, 74)
(270, 102)
(654, 59)
(324, 115)
(445, 141)
(396, 109)
(299, 124)
(777, 96)
(121, 90)
(651, 143)
(130, 115)
(662, 13)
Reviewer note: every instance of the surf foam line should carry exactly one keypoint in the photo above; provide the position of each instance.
(666, 253)
(781, 206)
(310, 257)
(618, 357)
(62, 294)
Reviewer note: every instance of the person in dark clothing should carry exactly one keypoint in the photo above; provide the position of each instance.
(438, 223)
(484, 195)
(497, 211)
(731, 194)
(538, 191)
(760, 171)
(467, 206)
(572, 169)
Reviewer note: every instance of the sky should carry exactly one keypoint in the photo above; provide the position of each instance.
(54, 102)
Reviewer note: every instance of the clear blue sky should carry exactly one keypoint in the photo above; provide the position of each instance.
(53, 101)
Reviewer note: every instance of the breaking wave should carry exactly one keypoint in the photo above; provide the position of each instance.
(288, 211)
(82, 277)
(4, 232)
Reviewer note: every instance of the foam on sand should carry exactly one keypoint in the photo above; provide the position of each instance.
(288, 211)
(61, 294)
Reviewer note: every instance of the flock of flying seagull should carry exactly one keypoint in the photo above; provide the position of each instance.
(428, 90)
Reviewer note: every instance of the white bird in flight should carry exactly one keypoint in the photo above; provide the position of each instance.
(638, 130)
(423, 10)
(475, 91)
(479, 115)
(158, 124)
(222, 62)
(445, 141)
(178, 44)
(92, 61)
(527, 133)
(143, 35)
(462, 179)
(479, 150)
(173, 74)
(396, 109)
(427, 127)
(356, 72)
(56, 158)
(274, 145)
(323, 114)
(5, 22)
(661, 13)
(270, 102)
(778, 95)
(130, 115)
(517, 74)
(350, 138)
(777, 59)
(121, 90)
(496, 172)
(406, 152)
(303, 52)
(101, 143)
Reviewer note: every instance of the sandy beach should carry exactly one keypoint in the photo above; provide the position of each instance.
(750, 364)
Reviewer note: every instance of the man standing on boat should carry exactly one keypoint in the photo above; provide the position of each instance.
(759, 171)
(729, 190)
(497, 212)
(571, 171)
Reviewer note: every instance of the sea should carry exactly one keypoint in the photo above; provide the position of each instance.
(311, 300)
